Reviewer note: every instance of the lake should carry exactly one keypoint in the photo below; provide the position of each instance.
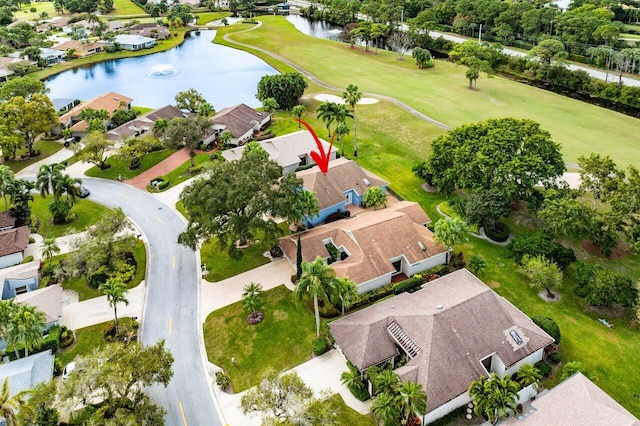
(224, 76)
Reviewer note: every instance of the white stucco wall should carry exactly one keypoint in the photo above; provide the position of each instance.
(531, 359)
(445, 409)
(423, 265)
(11, 259)
(374, 283)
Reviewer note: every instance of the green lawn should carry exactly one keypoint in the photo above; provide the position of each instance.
(127, 8)
(178, 174)
(206, 17)
(442, 92)
(88, 339)
(121, 167)
(390, 151)
(348, 416)
(281, 341)
(47, 148)
(221, 266)
(86, 211)
(79, 284)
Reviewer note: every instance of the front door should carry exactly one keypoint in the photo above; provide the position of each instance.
(348, 198)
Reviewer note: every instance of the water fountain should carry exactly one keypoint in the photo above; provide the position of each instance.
(162, 71)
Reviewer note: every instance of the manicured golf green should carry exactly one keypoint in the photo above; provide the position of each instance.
(442, 92)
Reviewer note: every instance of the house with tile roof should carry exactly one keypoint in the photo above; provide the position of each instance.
(13, 243)
(110, 102)
(6, 221)
(374, 246)
(143, 124)
(79, 48)
(289, 151)
(19, 279)
(134, 41)
(241, 121)
(344, 184)
(575, 402)
(25, 373)
(47, 300)
(451, 332)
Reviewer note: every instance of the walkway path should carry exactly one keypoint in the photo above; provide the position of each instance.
(165, 166)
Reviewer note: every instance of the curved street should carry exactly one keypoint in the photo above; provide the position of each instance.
(171, 305)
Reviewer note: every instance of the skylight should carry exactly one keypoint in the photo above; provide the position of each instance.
(516, 337)
(366, 181)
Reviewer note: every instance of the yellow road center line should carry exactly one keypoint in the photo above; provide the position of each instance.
(123, 196)
(170, 324)
(184, 418)
(173, 263)
(159, 220)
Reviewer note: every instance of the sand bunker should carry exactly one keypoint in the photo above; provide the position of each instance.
(338, 100)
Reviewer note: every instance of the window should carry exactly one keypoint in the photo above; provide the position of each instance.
(21, 290)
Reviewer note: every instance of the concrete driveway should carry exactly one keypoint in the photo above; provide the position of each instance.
(97, 310)
(223, 293)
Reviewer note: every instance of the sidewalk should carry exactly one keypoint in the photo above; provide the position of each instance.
(321, 373)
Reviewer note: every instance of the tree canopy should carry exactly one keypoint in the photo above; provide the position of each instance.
(236, 199)
(506, 155)
(190, 100)
(285, 88)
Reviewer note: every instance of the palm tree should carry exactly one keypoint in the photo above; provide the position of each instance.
(6, 310)
(327, 113)
(479, 392)
(47, 179)
(206, 110)
(116, 291)
(345, 291)
(386, 381)
(385, 408)
(315, 283)
(225, 138)
(20, 196)
(25, 326)
(341, 130)
(298, 110)
(159, 126)
(11, 406)
(6, 177)
(412, 400)
(66, 185)
(528, 375)
(493, 397)
(49, 248)
(352, 95)
(251, 297)
(450, 231)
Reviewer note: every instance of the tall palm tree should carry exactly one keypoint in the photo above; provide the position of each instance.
(116, 291)
(11, 406)
(6, 310)
(385, 408)
(47, 179)
(412, 400)
(352, 95)
(493, 397)
(341, 130)
(315, 283)
(25, 326)
(345, 291)
(69, 186)
(6, 177)
(298, 110)
(327, 113)
(49, 248)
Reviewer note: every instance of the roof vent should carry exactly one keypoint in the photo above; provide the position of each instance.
(439, 306)
(422, 247)
(366, 181)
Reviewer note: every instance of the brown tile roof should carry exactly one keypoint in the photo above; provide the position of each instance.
(342, 175)
(145, 122)
(6, 220)
(456, 321)
(111, 102)
(14, 240)
(239, 119)
(48, 300)
(77, 45)
(576, 402)
(371, 238)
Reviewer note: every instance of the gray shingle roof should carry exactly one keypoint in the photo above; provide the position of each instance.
(14, 240)
(26, 373)
(456, 321)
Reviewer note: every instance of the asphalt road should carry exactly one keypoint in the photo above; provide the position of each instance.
(171, 306)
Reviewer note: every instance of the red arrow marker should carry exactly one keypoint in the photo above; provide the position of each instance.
(321, 158)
